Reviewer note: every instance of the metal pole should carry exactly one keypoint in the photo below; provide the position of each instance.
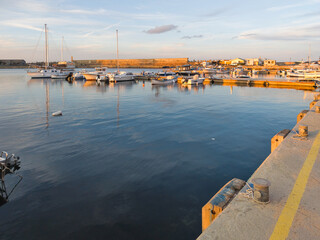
(46, 50)
(117, 51)
(61, 49)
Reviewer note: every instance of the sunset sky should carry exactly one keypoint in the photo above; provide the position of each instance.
(207, 29)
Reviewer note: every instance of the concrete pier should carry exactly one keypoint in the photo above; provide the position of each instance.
(293, 169)
(266, 83)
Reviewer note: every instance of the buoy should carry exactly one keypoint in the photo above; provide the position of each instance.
(58, 113)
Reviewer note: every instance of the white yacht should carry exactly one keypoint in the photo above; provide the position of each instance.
(92, 76)
(46, 72)
(195, 80)
(303, 73)
(43, 73)
(121, 77)
(164, 80)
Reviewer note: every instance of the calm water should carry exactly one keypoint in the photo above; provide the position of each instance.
(128, 161)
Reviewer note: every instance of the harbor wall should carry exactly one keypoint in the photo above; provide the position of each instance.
(132, 63)
(12, 63)
(293, 170)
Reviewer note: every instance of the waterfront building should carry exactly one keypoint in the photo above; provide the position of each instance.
(254, 61)
(238, 61)
(269, 63)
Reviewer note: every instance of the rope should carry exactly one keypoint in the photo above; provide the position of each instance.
(298, 136)
(2, 180)
(35, 49)
(249, 194)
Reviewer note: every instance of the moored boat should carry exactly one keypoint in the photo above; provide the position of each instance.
(121, 77)
(92, 76)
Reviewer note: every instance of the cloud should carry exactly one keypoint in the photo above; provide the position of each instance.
(85, 12)
(20, 25)
(289, 33)
(216, 12)
(101, 29)
(161, 29)
(279, 8)
(194, 36)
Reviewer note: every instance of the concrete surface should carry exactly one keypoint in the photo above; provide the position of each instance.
(293, 169)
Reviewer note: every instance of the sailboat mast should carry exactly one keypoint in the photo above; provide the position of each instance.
(117, 51)
(46, 47)
(61, 57)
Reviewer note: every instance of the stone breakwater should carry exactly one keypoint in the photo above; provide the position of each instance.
(133, 63)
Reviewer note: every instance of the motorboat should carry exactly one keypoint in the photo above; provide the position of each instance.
(243, 76)
(195, 80)
(145, 76)
(164, 80)
(92, 76)
(303, 73)
(164, 75)
(60, 75)
(121, 77)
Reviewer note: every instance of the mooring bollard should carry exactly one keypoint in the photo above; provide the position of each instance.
(317, 97)
(313, 103)
(301, 115)
(303, 130)
(317, 109)
(278, 138)
(261, 190)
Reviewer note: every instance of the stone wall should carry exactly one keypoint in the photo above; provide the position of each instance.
(133, 63)
(12, 62)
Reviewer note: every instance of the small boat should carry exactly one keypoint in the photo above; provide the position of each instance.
(243, 76)
(121, 77)
(303, 73)
(164, 81)
(166, 74)
(195, 80)
(145, 76)
(92, 76)
(60, 75)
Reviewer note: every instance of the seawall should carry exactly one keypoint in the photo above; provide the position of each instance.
(132, 63)
(293, 169)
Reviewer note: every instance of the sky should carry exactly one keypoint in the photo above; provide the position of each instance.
(200, 30)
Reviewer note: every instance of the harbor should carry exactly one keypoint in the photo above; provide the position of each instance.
(148, 129)
(148, 120)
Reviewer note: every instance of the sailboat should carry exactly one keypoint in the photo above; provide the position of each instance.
(46, 72)
(120, 76)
